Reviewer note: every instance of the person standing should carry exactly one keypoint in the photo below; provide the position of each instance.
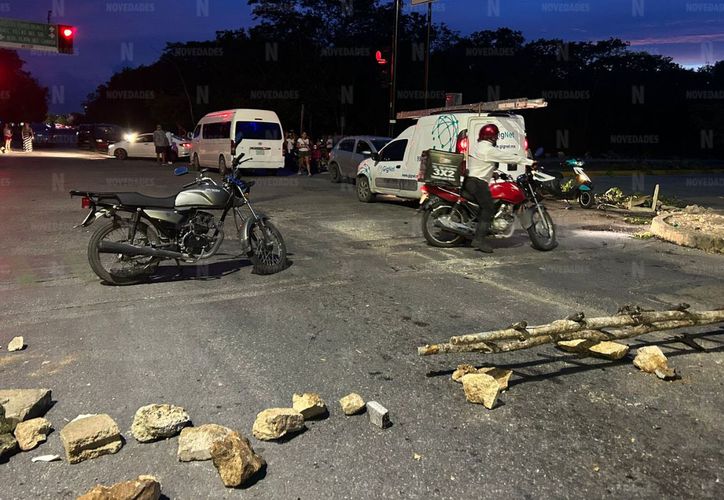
(303, 150)
(8, 136)
(27, 135)
(289, 150)
(160, 140)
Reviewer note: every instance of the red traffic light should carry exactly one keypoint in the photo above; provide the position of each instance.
(380, 58)
(66, 34)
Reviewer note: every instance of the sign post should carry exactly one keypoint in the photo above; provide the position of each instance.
(17, 34)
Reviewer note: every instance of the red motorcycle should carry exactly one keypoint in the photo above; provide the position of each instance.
(450, 217)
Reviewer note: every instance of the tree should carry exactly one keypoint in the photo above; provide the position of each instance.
(22, 98)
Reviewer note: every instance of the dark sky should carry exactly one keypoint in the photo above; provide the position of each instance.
(690, 31)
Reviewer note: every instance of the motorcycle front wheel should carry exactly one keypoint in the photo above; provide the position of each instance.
(119, 269)
(437, 236)
(542, 232)
(268, 250)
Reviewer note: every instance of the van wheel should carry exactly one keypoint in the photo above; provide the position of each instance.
(222, 166)
(334, 174)
(364, 192)
(121, 154)
(195, 163)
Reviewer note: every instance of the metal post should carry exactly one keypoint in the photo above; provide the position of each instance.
(393, 73)
(427, 50)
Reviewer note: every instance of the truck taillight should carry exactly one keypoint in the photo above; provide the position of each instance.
(85, 202)
(461, 145)
(525, 144)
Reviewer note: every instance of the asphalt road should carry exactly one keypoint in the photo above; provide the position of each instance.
(695, 188)
(363, 291)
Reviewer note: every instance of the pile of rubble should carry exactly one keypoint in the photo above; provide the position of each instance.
(483, 385)
(22, 427)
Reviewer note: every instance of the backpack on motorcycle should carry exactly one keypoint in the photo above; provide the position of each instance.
(441, 168)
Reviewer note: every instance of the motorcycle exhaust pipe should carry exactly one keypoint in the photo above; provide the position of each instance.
(455, 227)
(132, 250)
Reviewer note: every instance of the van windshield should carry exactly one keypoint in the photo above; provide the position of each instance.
(258, 130)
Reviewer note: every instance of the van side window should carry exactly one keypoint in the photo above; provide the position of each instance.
(197, 131)
(346, 145)
(394, 151)
(220, 130)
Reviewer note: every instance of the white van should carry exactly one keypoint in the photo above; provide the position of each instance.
(215, 133)
(394, 169)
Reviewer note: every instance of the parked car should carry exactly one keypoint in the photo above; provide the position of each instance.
(262, 142)
(394, 169)
(98, 136)
(350, 152)
(142, 146)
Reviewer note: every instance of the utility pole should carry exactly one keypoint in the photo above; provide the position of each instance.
(427, 51)
(393, 72)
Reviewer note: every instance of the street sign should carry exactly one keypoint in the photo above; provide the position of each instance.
(16, 34)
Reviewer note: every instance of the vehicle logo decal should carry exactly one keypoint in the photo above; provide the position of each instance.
(445, 132)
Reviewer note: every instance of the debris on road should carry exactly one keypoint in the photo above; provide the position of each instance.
(352, 404)
(605, 349)
(481, 388)
(500, 375)
(275, 423)
(310, 405)
(235, 460)
(31, 433)
(143, 488)
(45, 458)
(89, 437)
(6, 426)
(195, 443)
(23, 404)
(8, 445)
(16, 344)
(378, 414)
(158, 421)
(651, 359)
(630, 321)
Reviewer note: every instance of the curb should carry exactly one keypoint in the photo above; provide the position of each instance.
(685, 237)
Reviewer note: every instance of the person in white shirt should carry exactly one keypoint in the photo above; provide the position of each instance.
(483, 160)
(303, 150)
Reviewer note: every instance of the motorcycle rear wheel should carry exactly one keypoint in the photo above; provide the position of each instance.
(118, 269)
(436, 236)
(268, 250)
(585, 199)
(542, 239)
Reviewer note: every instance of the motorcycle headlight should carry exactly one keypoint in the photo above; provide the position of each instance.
(583, 178)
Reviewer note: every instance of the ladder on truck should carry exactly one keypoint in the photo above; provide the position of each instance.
(478, 107)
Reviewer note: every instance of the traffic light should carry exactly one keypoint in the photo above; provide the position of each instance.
(383, 58)
(66, 34)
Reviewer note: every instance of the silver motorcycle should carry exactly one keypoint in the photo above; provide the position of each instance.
(141, 231)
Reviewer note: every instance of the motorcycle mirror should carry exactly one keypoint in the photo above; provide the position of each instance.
(375, 156)
(181, 171)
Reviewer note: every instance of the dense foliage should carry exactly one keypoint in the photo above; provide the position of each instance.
(603, 96)
(22, 99)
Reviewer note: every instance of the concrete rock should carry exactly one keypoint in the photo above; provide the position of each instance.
(158, 421)
(22, 404)
(143, 488)
(16, 344)
(378, 414)
(90, 437)
(352, 403)
(31, 433)
(8, 446)
(309, 404)
(276, 422)
(195, 443)
(235, 460)
(463, 370)
(576, 345)
(609, 350)
(500, 375)
(650, 358)
(481, 388)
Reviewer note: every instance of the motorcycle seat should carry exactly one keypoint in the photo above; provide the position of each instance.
(140, 200)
